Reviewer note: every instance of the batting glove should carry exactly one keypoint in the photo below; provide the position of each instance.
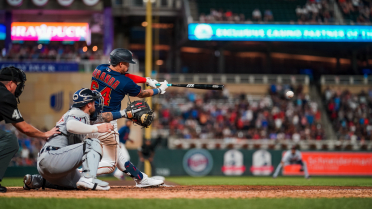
(164, 85)
(151, 82)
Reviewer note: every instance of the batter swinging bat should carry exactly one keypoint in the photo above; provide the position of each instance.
(197, 86)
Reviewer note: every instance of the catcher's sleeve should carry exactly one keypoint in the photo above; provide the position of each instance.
(77, 127)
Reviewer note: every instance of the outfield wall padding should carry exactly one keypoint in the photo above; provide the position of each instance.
(200, 162)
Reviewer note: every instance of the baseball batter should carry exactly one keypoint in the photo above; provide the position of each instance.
(77, 145)
(291, 157)
(114, 83)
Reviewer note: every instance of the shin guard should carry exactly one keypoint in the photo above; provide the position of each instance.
(132, 171)
(91, 158)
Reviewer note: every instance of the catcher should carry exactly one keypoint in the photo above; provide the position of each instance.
(114, 83)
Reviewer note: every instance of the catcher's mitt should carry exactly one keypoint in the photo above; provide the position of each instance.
(140, 113)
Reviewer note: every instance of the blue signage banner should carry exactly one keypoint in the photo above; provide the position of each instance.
(44, 67)
(2, 32)
(271, 32)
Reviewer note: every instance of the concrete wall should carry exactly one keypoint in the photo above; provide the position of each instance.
(354, 89)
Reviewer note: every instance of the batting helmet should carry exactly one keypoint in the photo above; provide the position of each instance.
(121, 55)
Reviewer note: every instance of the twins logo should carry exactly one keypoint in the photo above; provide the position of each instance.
(56, 101)
(197, 162)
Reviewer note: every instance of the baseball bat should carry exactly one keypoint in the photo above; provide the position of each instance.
(197, 86)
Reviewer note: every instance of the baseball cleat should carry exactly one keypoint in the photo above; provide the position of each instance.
(100, 182)
(2, 189)
(91, 184)
(158, 178)
(148, 182)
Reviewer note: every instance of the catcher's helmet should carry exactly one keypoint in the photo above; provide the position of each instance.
(121, 55)
(12, 73)
(84, 96)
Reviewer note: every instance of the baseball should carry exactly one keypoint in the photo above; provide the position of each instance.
(289, 94)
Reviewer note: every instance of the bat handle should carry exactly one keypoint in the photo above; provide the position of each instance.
(159, 84)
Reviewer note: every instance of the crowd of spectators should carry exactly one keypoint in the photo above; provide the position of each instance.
(350, 114)
(28, 147)
(220, 115)
(229, 16)
(50, 52)
(356, 10)
(315, 11)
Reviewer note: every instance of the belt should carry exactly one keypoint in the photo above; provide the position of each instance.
(49, 148)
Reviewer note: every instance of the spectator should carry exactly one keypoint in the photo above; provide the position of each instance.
(256, 15)
(315, 12)
(350, 114)
(50, 52)
(268, 16)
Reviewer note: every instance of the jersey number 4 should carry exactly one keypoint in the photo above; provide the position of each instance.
(16, 114)
(106, 92)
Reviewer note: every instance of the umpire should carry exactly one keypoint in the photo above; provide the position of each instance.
(12, 83)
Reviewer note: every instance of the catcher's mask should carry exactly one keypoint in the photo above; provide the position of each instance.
(16, 75)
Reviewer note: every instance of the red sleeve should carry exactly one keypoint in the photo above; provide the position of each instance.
(136, 78)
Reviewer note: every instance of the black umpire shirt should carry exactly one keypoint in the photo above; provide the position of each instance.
(147, 150)
(8, 106)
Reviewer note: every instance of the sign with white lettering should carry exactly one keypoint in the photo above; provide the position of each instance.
(49, 31)
(269, 32)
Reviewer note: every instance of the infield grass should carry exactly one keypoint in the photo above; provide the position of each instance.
(265, 181)
(258, 203)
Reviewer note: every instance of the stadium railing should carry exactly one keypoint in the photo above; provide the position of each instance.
(234, 143)
(346, 79)
(235, 78)
(175, 4)
(87, 66)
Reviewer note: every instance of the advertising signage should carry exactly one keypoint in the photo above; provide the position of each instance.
(2, 32)
(334, 163)
(50, 31)
(271, 32)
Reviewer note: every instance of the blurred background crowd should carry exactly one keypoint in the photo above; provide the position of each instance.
(52, 52)
(220, 115)
(350, 114)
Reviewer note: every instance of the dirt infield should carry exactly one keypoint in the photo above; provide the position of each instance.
(201, 192)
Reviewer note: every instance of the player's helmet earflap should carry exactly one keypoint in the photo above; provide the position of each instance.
(84, 96)
(121, 55)
(14, 74)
